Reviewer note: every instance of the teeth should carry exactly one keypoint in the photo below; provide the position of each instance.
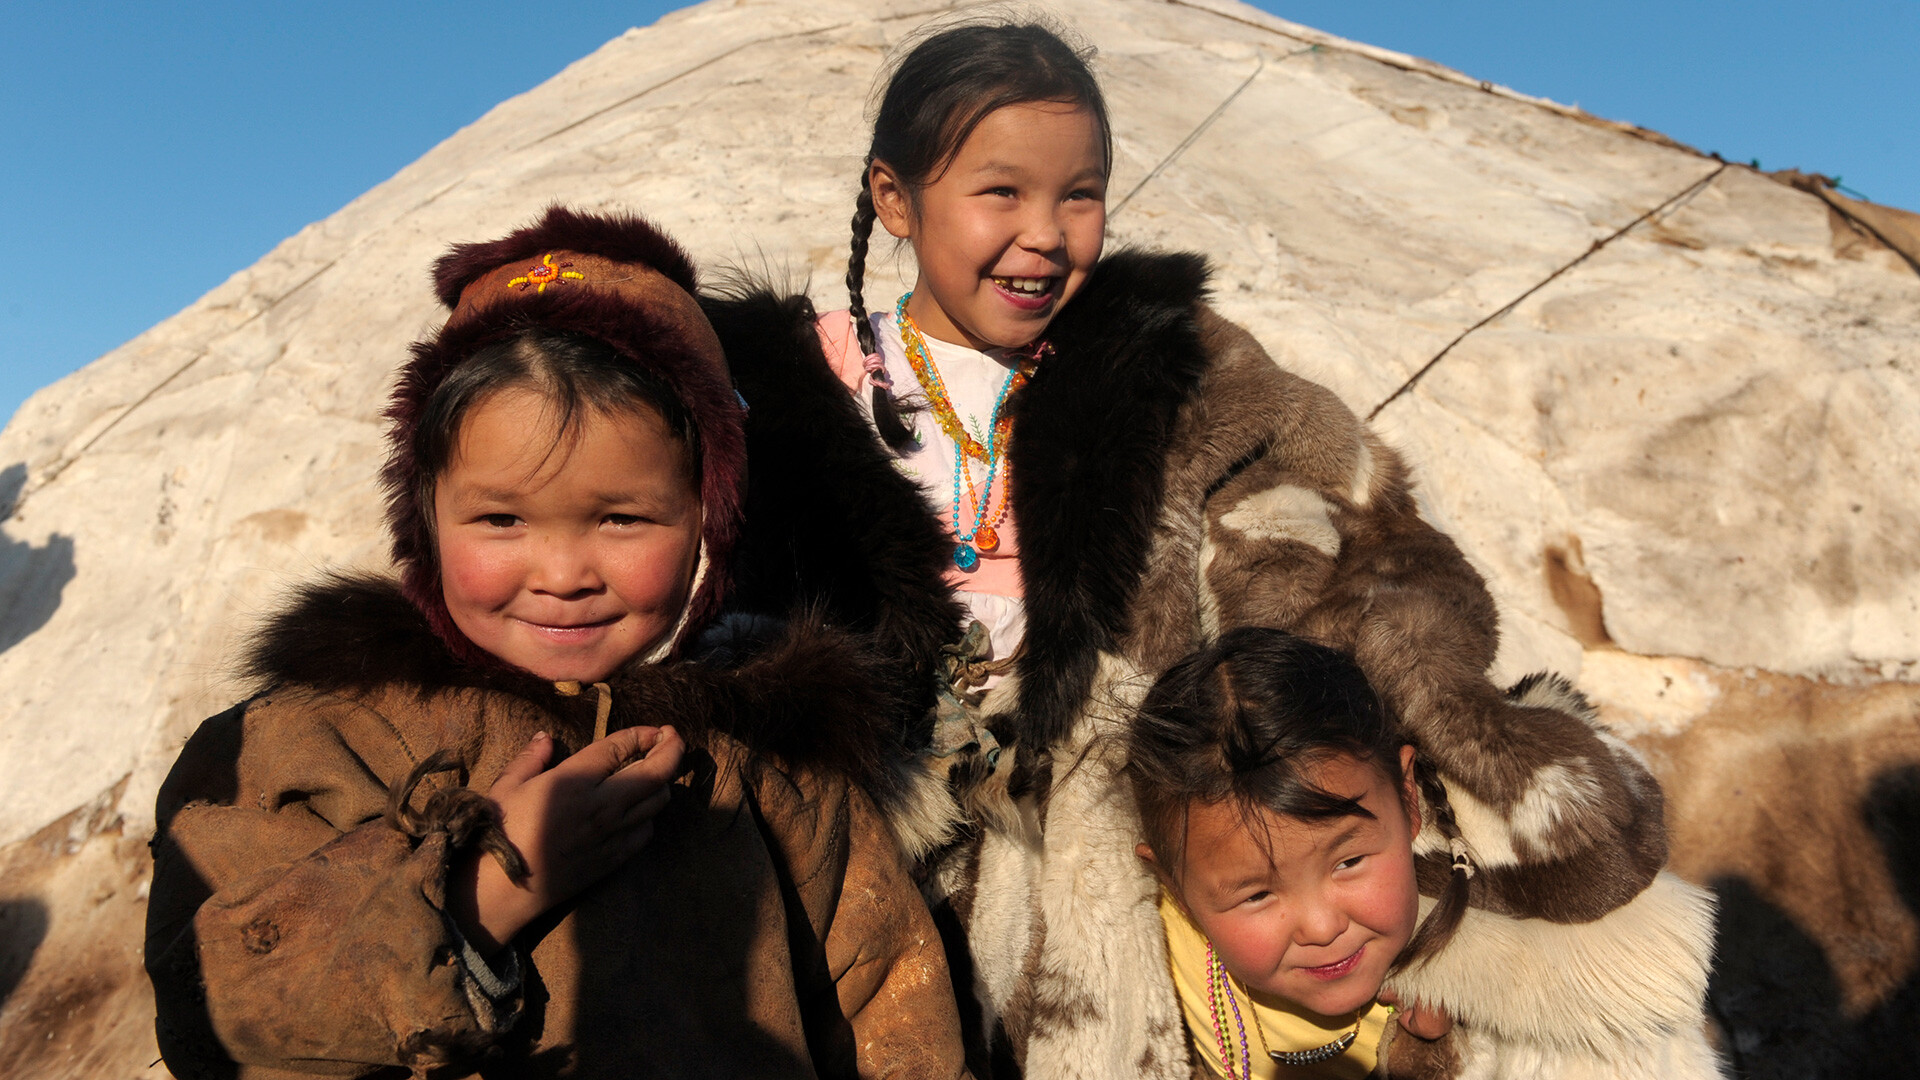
(1033, 285)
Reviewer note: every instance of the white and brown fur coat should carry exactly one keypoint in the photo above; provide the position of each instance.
(1171, 481)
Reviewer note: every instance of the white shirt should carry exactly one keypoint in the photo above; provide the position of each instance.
(973, 380)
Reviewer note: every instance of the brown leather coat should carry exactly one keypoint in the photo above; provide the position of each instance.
(297, 925)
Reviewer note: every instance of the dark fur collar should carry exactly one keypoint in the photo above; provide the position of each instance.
(830, 525)
(1088, 468)
(796, 690)
(830, 521)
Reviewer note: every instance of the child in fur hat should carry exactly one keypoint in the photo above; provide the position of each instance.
(487, 816)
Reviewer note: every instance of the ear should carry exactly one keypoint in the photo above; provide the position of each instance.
(1411, 796)
(892, 203)
(1160, 874)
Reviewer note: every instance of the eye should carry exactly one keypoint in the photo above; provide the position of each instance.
(501, 521)
(622, 521)
(1350, 863)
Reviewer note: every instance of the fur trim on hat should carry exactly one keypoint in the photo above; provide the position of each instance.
(686, 357)
(620, 237)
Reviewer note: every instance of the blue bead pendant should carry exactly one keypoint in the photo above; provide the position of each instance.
(965, 557)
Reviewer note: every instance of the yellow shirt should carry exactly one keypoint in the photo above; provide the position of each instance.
(1282, 1024)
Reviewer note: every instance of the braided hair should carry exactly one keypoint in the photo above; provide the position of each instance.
(937, 94)
(1246, 721)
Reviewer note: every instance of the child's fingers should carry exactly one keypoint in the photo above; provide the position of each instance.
(663, 753)
(641, 779)
(530, 762)
(604, 757)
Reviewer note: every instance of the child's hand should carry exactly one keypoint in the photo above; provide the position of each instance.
(1421, 1021)
(572, 824)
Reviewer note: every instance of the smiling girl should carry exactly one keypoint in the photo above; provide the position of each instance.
(1106, 474)
(1279, 807)
(492, 816)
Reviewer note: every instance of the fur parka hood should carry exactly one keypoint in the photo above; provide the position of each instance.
(799, 691)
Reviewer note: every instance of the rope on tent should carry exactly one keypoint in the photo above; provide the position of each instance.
(1685, 193)
(1201, 130)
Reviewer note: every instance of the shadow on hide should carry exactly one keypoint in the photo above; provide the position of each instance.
(1775, 995)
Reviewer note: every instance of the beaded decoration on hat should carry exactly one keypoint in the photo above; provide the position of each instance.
(546, 272)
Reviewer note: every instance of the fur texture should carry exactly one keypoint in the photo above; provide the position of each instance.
(1095, 423)
(805, 694)
(1512, 877)
(1617, 997)
(1169, 480)
(1068, 951)
(1570, 825)
(624, 238)
(830, 524)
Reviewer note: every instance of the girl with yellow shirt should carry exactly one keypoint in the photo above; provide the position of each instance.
(1278, 801)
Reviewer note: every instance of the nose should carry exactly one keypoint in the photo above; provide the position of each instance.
(1042, 229)
(562, 566)
(1319, 923)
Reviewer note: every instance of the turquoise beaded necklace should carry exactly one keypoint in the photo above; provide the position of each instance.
(966, 554)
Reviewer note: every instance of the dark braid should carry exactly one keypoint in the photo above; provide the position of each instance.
(863, 216)
(1438, 927)
(886, 415)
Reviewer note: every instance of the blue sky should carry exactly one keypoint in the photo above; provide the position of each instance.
(148, 151)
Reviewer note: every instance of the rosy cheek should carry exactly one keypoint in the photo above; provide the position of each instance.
(475, 575)
(653, 575)
(1249, 944)
(1392, 900)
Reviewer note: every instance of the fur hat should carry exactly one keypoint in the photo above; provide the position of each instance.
(615, 278)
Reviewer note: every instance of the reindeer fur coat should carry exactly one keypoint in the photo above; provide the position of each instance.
(1171, 481)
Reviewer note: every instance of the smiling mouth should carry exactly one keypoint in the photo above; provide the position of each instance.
(1338, 968)
(1029, 288)
(568, 630)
